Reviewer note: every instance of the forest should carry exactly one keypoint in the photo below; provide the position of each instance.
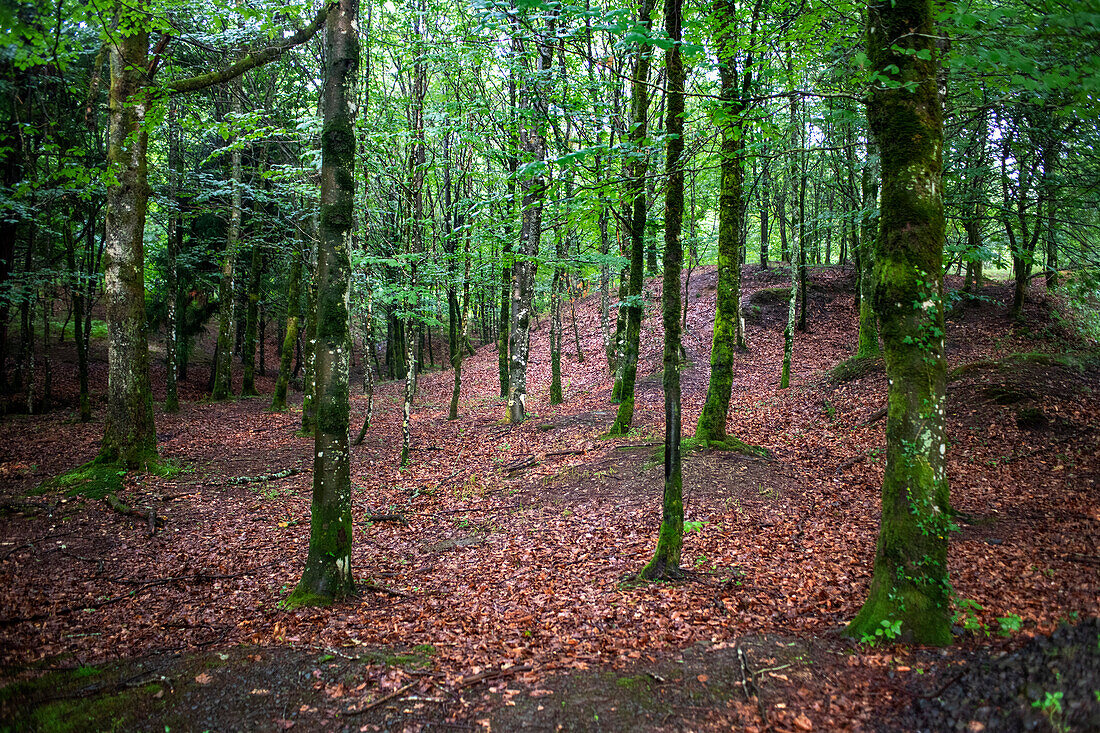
(524, 364)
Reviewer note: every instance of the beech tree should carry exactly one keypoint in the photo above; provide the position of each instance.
(728, 335)
(129, 434)
(327, 576)
(670, 542)
(910, 593)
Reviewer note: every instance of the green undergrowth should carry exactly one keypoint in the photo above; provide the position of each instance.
(98, 479)
(81, 699)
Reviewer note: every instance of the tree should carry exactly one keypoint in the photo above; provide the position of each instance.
(532, 109)
(129, 436)
(670, 542)
(711, 429)
(327, 576)
(634, 212)
(910, 590)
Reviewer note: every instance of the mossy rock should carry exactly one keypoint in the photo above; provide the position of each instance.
(856, 368)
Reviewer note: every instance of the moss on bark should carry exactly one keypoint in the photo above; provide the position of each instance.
(328, 575)
(666, 558)
(129, 436)
(910, 583)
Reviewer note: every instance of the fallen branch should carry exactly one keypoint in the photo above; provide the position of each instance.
(386, 698)
(380, 589)
(238, 480)
(875, 416)
(394, 517)
(850, 462)
(519, 463)
(490, 674)
(579, 451)
(148, 516)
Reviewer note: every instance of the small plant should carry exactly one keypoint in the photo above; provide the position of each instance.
(1010, 624)
(694, 526)
(967, 616)
(887, 631)
(1051, 706)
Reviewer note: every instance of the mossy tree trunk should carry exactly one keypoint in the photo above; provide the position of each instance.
(506, 256)
(867, 341)
(666, 558)
(309, 339)
(635, 206)
(464, 332)
(532, 110)
(223, 375)
(290, 338)
(251, 321)
(910, 591)
(171, 274)
(728, 335)
(129, 436)
(328, 576)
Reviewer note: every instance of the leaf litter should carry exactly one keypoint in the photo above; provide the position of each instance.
(506, 570)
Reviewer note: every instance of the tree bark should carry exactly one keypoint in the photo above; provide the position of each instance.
(293, 314)
(666, 558)
(533, 185)
(251, 320)
(635, 203)
(129, 436)
(223, 375)
(328, 575)
(867, 340)
(728, 337)
(910, 592)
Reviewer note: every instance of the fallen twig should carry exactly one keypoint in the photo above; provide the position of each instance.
(386, 698)
(393, 517)
(850, 462)
(875, 416)
(490, 674)
(149, 515)
(237, 480)
(380, 589)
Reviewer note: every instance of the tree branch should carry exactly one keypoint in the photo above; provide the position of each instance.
(252, 60)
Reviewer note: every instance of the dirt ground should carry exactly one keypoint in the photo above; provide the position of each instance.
(494, 570)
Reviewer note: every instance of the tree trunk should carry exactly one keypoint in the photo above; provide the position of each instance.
(867, 341)
(223, 374)
(328, 576)
(248, 355)
(533, 185)
(293, 315)
(731, 209)
(309, 340)
(636, 203)
(666, 558)
(129, 436)
(910, 591)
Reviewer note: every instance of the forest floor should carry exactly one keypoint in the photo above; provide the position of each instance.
(493, 573)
